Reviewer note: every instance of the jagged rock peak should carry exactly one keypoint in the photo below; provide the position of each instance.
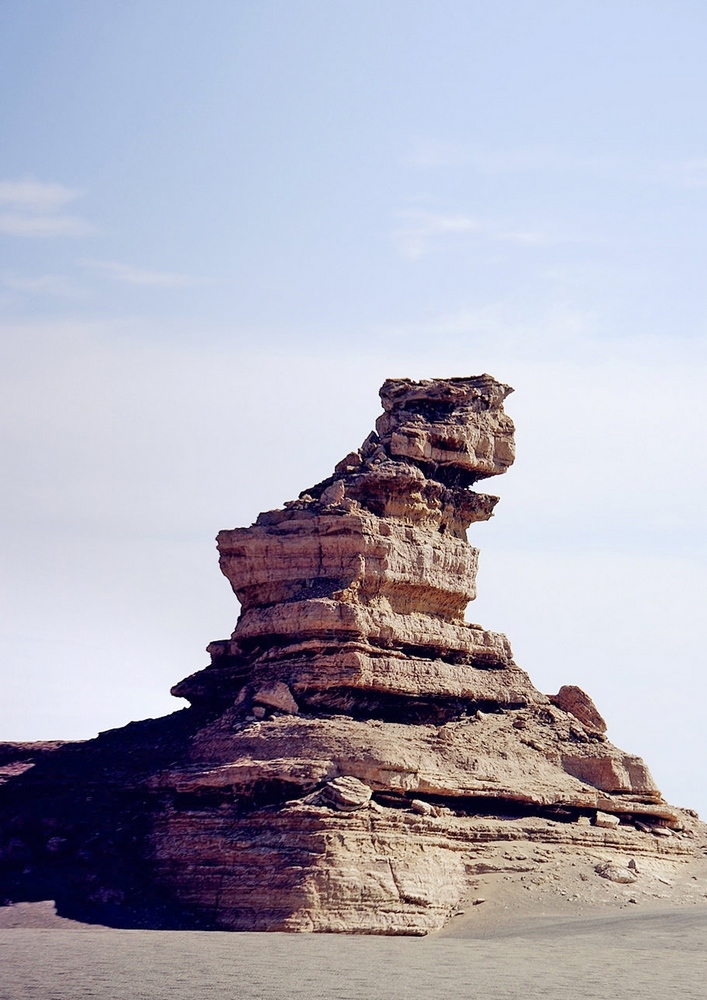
(451, 432)
(355, 593)
(455, 423)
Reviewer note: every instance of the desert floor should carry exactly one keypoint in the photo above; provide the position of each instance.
(553, 929)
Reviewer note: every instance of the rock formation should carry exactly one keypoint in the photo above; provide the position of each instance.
(355, 746)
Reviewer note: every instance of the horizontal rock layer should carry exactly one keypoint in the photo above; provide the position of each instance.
(350, 556)
(355, 748)
(539, 756)
(373, 871)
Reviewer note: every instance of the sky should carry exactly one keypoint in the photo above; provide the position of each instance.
(224, 224)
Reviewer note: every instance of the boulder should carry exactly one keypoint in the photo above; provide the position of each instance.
(606, 820)
(577, 702)
(616, 872)
(345, 793)
(278, 696)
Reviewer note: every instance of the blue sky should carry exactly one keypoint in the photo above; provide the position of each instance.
(324, 165)
(223, 224)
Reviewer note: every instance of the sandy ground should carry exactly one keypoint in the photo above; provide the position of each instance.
(551, 928)
(533, 883)
(652, 955)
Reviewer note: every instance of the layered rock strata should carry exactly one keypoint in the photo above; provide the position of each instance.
(355, 746)
(354, 594)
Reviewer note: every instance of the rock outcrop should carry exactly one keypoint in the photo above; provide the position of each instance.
(355, 746)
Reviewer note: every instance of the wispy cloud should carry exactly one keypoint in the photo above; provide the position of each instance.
(35, 196)
(690, 173)
(433, 153)
(46, 284)
(421, 232)
(429, 153)
(34, 210)
(436, 154)
(138, 275)
(499, 331)
(15, 224)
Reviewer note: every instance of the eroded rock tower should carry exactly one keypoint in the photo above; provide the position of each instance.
(356, 745)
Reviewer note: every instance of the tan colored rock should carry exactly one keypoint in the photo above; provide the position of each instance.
(350, 556)
(606, 820)
(356, 750)
(353, 596)
(611, 772)
(577, 702)
(323, 618)
(345, 793)
(452, 423)
(278, 696)
(616, 873)
(483, 760)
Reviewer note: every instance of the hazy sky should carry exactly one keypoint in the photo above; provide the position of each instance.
(223, 224)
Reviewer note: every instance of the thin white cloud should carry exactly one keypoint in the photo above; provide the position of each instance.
(541, 158)
(46, 284)
(33, 210)
(422, 232)
(138, 275)
(429, 153)
(35, 196)
(691, 173)
(523, 237)
(434, 154)
(417, 233)
(43, 226)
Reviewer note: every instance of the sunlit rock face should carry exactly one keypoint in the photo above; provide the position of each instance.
(358, 588)
(456, 427)
(355, 748)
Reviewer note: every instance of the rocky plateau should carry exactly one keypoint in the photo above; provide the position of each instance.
(356, 754)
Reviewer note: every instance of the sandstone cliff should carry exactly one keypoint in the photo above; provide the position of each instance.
(355, 748)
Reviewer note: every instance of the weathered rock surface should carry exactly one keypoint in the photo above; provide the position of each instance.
(355, 745)
(577, 702)
(346, 793)
(616, 873)
(452, 424)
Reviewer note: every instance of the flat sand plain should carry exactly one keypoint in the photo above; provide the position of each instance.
(548, 927)
(653, 953)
